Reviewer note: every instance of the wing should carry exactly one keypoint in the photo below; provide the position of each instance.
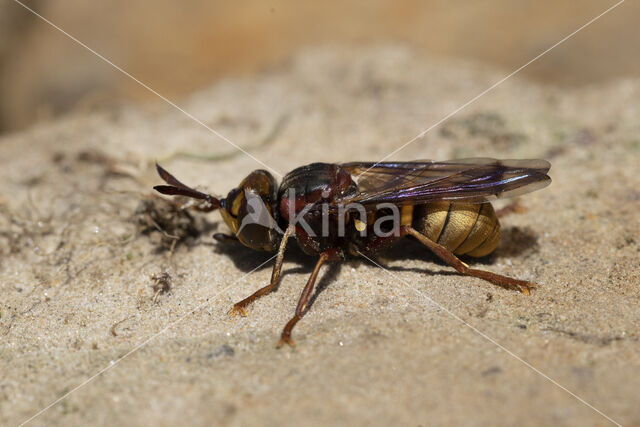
(475, 180)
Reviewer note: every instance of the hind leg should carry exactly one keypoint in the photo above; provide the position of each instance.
(447, 256)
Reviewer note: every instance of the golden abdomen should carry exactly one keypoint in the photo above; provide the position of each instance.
(464, 228)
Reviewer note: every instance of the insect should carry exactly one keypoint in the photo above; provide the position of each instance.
(335, 211)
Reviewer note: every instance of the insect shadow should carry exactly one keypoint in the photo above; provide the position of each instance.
(246, 260)
(514, 242)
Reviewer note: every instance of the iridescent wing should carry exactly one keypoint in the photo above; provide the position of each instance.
(475, 180)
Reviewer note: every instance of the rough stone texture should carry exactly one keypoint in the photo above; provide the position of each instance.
(416, 345)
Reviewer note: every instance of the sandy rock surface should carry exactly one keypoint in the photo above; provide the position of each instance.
(414, 345)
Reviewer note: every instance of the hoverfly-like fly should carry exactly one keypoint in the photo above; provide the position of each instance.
(446, 206)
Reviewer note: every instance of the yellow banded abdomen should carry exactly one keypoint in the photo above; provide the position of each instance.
(464, 228)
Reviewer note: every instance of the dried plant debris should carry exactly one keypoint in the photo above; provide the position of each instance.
(161, 284)
(600, 340)
(19, 230)
(170, 221)
(114, 328)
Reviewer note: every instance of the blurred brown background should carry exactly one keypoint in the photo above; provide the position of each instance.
(177, 47)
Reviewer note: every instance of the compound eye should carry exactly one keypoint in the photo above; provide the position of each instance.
(236, 200)
(255, 223)
(247, 209)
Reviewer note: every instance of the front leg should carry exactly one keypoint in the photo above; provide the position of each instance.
(240, 307)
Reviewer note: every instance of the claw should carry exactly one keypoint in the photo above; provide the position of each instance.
(286, 340)
(525, 288)
(237, 309)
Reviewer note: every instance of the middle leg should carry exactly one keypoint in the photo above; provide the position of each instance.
(285, 338)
